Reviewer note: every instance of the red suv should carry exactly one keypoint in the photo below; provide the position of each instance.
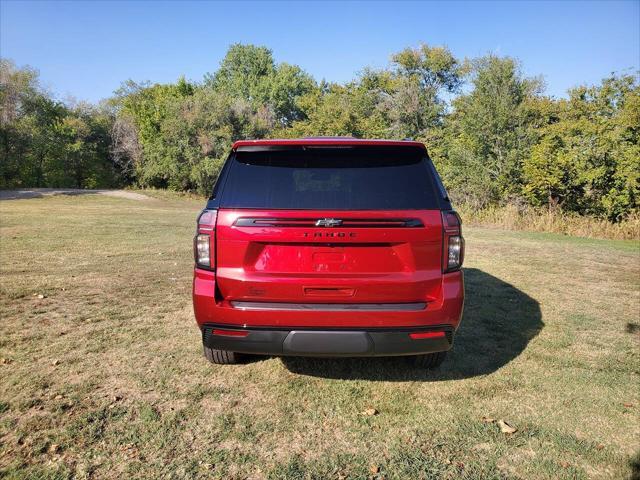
(328, 247)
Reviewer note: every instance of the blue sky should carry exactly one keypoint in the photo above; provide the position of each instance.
(86, 49)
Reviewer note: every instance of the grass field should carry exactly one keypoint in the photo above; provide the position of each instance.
(102, 373)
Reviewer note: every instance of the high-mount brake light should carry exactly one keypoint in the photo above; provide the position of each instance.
(453, 242)
(204, 241)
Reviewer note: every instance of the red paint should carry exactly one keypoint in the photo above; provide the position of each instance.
(302, 263)
(380, 265)
(446, 309)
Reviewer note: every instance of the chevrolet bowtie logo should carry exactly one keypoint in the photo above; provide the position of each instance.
(328, 222)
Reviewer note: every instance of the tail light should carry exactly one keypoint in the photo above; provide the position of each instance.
(230, 333)
(453, 242)
(423, 335)
(204, 242)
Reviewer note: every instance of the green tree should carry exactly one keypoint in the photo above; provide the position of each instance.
(18, 95)
(37, 140)
(356, 109)
(500, 141)
(488, 133)
(588, 161)
(249, 72)
(435, 68)
(149, 108)
(415, 104)
(404, 101)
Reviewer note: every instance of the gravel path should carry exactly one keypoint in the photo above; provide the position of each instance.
(43, 192)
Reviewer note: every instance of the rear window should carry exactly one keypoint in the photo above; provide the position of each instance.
(355, 178)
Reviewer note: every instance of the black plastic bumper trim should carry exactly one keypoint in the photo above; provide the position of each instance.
(315, 342)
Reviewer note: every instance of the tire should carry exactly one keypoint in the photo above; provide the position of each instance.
(430, 360)
(221, 357)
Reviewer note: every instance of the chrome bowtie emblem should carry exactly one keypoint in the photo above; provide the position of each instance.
(328, 222)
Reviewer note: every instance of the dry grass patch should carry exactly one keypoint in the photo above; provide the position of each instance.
(552, 221)
(104, 377)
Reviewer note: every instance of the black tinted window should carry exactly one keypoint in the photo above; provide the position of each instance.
(330, 178)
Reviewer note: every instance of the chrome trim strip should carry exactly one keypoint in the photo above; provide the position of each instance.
(344, 222)
(331, 307)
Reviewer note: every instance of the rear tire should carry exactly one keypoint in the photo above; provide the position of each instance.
(430, 360)
(221, 357)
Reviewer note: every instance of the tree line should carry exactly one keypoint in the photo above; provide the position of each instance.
(494, 135)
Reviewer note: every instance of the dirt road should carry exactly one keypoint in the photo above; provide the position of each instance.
(45, 192)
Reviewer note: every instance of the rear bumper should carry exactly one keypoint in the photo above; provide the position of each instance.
(211, 309)
(327, 343)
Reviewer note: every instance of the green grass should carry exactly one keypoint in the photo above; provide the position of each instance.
(104, 377)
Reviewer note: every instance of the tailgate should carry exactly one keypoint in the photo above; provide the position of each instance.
(302, 258)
